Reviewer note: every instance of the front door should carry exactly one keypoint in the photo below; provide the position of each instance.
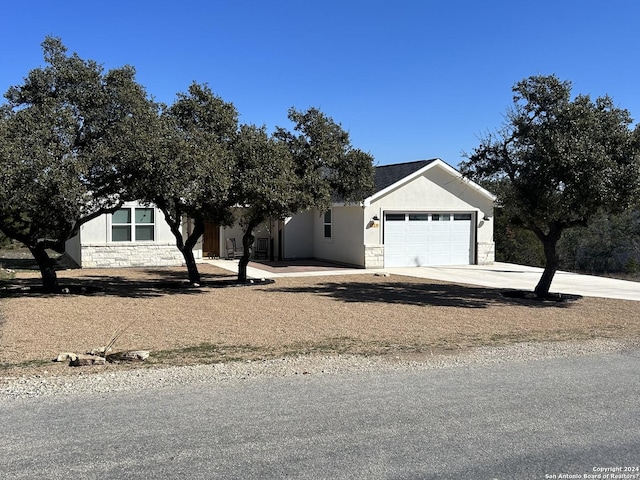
(211, 240)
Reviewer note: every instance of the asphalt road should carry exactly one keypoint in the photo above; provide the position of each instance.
(521, 420)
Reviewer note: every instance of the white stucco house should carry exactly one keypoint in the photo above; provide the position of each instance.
(422, 213)
(134, 236)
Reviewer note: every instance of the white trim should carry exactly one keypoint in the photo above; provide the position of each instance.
(328, 239)
(132, 226)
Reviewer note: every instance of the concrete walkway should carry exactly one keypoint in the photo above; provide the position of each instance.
(255, 272)
(498, 275)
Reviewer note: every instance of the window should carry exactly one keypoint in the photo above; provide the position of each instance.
(133, 224)
(418, 217)
(461, 216)
(121, 225)
(440, 217)
(327, 224)
(394, 217)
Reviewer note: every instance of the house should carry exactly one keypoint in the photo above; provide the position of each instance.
(421, 213)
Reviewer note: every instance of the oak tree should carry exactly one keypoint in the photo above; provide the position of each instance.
(289, 172)
(560, 161)
(64, 135)
(189, 175)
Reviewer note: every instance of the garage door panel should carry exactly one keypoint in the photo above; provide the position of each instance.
(440, 259)
(439, 237)
(417, 239)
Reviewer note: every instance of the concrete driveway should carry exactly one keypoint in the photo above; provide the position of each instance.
(498, 275)
(508, 275)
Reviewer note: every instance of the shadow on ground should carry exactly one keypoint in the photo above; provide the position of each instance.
(423, 294)
(166, 283)
(157, 282)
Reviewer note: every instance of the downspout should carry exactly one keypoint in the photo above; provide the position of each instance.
(475, 239)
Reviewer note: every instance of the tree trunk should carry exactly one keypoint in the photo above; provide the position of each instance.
(192, 267)
(549, 243)
(187, 251)
(247, 245)
(47, 269)
(185, 247)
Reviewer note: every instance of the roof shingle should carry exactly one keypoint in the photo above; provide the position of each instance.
(387, 175)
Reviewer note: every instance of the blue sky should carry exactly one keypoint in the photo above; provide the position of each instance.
(408, 79)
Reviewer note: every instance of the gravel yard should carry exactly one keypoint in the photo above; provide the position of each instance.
(393, 320)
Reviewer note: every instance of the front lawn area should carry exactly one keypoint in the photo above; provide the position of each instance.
(356, 314)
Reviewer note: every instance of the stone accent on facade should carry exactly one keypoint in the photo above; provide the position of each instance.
(374, 256)
(486, 253)
(131, 255)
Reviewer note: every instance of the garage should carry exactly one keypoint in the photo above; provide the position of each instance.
(427, 238)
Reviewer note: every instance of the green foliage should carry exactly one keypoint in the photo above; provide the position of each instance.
(76, 142)
(191, 167)
(265, 181)
(610, 244)
(4, 241)
(515, 244)
(65, 136)
(559, 162)
(326, 164)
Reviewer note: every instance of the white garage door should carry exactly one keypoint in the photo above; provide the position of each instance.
(418, 239)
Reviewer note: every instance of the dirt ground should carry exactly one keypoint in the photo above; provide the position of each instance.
(360, 314)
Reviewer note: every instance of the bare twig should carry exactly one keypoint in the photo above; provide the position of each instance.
(117, 334)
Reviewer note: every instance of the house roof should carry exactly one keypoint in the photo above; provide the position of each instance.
(387, 175)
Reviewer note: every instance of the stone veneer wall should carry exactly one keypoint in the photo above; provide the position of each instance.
(486, 253)
(131, 255)
(374, 256)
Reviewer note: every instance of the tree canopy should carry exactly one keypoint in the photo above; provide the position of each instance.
(558, 162)
(65, 134)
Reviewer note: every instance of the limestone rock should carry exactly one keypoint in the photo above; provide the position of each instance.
(66, 356)
(99, 351)
(84, 360)
(129, 356)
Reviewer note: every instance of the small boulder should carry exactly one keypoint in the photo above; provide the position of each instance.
(66, 356)
(100, 351)
(86, 360)
(129, 356)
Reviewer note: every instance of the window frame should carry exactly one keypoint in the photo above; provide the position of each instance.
(133, 226)
(327, 225)
(395, 217)
(441, 217)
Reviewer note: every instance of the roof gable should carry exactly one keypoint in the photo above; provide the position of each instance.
(389, 177)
